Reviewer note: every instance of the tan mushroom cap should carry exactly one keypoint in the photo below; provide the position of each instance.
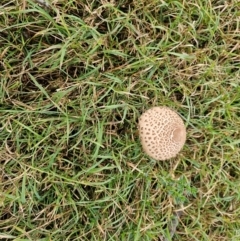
(162, 133)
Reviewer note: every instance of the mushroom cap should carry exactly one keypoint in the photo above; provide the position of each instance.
(162, 132)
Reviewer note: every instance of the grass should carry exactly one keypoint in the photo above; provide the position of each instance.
(75, 77)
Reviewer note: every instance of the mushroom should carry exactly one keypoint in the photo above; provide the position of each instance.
(162, 132)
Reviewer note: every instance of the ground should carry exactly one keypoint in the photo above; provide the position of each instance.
(75, 77)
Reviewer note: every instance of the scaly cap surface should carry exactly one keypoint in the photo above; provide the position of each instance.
(162, 133)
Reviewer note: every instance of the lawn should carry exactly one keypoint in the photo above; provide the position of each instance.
(75, 77)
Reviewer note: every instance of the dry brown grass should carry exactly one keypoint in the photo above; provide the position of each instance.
(75, 76)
